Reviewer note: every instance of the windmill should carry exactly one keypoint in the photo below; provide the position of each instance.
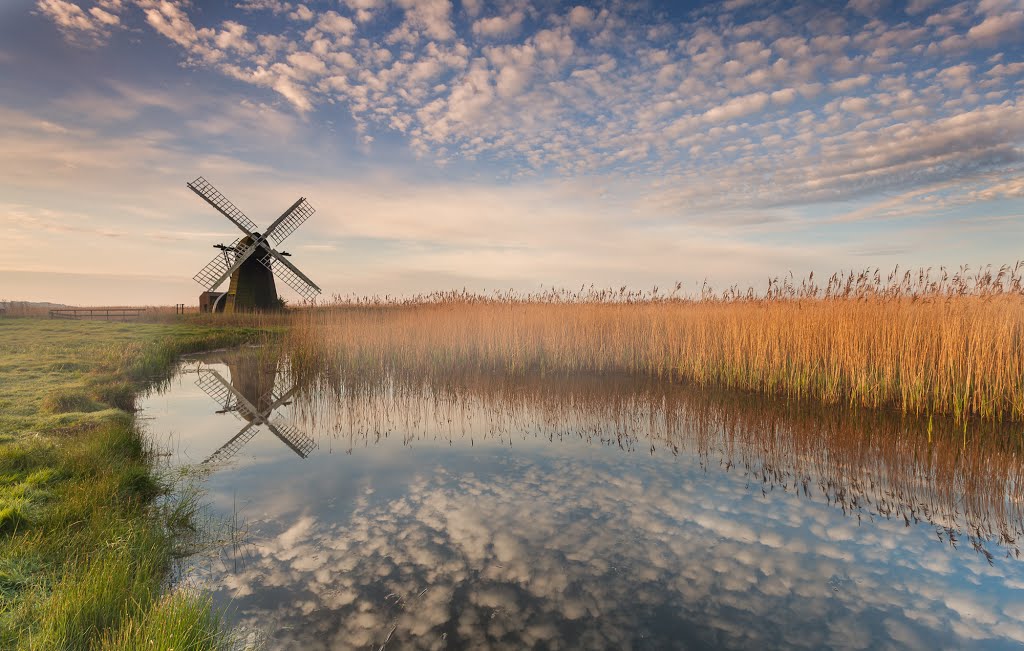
(250, 261)
(256, 411)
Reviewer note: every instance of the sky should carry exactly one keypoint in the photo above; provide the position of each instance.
(510, 144)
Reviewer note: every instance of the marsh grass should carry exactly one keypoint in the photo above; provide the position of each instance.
(85, 539)
(947, 345)
(180, 621)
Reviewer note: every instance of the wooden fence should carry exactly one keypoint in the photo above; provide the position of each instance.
(98, 313)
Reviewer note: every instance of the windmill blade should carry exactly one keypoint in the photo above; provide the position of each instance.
(278, 398)
(212, 196)
(226, 395)
(242, 403)
(290, 275)
(231, 448)
(289, 221)
(284, 387)
(209, 277)
(216, 268)
(300, 444)
(219, 391)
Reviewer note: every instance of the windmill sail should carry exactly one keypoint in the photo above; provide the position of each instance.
(212, 196)
(299, 443)
(290, 275)
(290, 221)
(231, 448)
(209, 381)
(217, 268)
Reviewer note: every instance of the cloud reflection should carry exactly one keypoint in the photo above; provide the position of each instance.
(535, 552)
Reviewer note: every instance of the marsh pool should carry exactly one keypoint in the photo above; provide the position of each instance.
(484, 512)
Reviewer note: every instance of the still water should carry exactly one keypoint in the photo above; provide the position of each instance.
(486, 512)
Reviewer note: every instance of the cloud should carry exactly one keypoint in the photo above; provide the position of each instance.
(499, 26)
(232, 37)
(869, 8)
(957, 76)
(77, 25)
(737, 107)
(333, 23)
(171, 21)
(915, 7)
(1010, 189)
(433, 17)
(274, 6)
(547, 89)
(850, 83)
(302, 13)
(994, 29)
(1008, 69)
(581, 17)
(784, 96)
(104, 17)
(307, 63)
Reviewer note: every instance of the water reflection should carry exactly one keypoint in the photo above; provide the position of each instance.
(968, 482)
(256, 390)
(489, 512)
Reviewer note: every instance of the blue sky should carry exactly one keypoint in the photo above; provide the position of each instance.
(506, 144)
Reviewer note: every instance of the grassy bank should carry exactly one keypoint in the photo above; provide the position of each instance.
(84, 544)
(952, 346)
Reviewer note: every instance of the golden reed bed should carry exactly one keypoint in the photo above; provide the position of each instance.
(949, 345)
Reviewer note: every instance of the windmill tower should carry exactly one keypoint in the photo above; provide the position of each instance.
(250, 261)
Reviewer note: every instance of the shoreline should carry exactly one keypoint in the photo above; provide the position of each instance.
(84, 543)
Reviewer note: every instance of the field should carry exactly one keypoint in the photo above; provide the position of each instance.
(84, 540)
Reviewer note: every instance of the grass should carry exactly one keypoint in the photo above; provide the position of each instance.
(84, 543)
(951, 345)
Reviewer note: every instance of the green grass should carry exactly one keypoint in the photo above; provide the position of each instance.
(84, 543)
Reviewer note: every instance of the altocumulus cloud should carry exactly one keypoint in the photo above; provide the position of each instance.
(453, 143)
(779, 102)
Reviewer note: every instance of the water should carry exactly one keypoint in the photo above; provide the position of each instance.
(584, 513)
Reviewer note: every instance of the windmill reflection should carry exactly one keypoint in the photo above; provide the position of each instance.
(253, 394)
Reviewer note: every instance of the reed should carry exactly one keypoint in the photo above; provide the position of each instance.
(920, 342)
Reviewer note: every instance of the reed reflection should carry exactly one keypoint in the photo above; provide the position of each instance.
(966, 481)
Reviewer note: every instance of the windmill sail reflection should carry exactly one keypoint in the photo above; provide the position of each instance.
(254, 393)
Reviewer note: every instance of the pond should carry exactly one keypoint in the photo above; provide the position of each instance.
(493, 512)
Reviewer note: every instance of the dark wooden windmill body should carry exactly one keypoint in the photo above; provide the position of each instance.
(252, 285)
(250, 262)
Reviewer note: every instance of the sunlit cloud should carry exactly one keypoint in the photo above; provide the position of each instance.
(655, 122)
